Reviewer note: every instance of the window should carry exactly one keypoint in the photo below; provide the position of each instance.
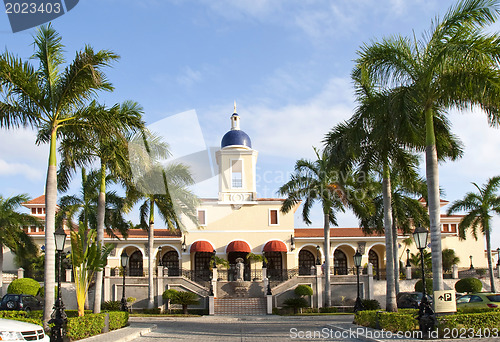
(453, 228)
(202, 217)
(446, 228)
(475, 299)
(237, 173)
(273, 217)
(39, 211)
(44, 211)
(33, 211)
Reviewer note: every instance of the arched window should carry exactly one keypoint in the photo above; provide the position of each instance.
(339, 263)
(171, 261)
(202, 265)
(274, 265)
(135, 264)
(306, 261)
(373, 259)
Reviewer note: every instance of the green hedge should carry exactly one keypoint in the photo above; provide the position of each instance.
(475, 321)
(24, 286)
(85, 326)
(469, 285)
(117, 319)
(366, 318)
(393, 321)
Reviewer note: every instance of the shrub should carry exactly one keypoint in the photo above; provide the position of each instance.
(117, 319)
(85, 326)
(474, 321)
(24, 286)
(371, 304)
(395, 321)
(181, 297)
(366, 318)
(329, 309)
(303, 290)
(111, 305)
(296, 303)
(468, 285)
(154, 311)
(428, 286)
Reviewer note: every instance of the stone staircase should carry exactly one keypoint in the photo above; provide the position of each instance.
(240, 306)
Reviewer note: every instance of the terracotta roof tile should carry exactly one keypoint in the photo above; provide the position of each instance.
(139, 233)
(38, 200)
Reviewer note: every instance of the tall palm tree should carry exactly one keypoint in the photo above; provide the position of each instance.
(479, 207)
(82, 146)
(49, 96)
(455, 64)
(318, 181)
(163, 189)
(12, 222)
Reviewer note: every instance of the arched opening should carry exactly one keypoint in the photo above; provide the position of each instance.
(339, 263)
(274, 266)
(231, 258)
(306, 262)
(202, 265)
(171, 260)
(135, 264)
(373, 259)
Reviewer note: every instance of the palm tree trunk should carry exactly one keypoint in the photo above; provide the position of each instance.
(101, 210)
(432, 174)
(151, 298)
(1, 269)
(488, 252)
(389, 266)
(50, 247)
(395, 255)
(326, 248)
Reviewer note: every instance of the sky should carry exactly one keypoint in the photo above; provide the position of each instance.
(286, 63)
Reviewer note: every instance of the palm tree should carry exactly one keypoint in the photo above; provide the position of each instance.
(162, 188)
(479, 207)
(12, 222)
(81, 147)
(449, 259)
(452, 65)
(49, 98)
(317, 181)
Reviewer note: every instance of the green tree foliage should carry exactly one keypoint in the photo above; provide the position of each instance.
(449, 259)
(183, 298)
(428, 286)
(24, 286)
(469, 285)
(480, 206)
(296, 303)
(303, 290)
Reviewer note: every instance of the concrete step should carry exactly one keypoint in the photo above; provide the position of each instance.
(240, 306)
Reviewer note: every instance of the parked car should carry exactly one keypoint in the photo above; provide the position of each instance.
(410, 300)
(11, 330)
(479, 300)
(20, 302)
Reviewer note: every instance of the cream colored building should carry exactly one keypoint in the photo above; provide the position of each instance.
(238, 222)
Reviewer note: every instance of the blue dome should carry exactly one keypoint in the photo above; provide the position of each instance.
(236, 137)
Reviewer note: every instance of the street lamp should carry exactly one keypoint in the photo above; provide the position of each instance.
(426, 318)
(159, 254)
(58, 317)
(471, 266)
(408, 258)
(358, 306)
(498, 255)
(318, 260)
(184, 246)
(124, 261)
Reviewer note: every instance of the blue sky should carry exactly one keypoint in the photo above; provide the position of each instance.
(286, 63)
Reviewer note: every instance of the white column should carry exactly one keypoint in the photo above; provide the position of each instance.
(68, 275)
(20, 273)
(106, 288)
(408, 272)
(319, 286)
(159, 288)
(211, 305)
(454, 271)
(370, 294)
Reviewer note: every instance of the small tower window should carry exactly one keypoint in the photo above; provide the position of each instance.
(237, 173)
(202, 217)
(33, 211)
(273, 217)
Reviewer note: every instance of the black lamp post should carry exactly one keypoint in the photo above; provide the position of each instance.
(408, 258)
(124, 261)
(498, 255)
(215, 262)
(471, 266)
(426, 318)
(159, 254)
(358, 306)
(318, 260)
(184, 246)
(58, 317)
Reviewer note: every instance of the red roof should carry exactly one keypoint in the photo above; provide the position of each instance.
(202, 246)
(275, 246)
(238, 246)
(38, 200)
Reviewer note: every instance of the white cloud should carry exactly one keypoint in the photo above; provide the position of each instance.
(189, 77)
(15, 169)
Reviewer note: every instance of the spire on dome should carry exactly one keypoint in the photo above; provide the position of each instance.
(234, 107)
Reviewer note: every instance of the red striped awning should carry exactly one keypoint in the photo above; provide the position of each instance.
(238, 246)
(202, 246)
(275, 246)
